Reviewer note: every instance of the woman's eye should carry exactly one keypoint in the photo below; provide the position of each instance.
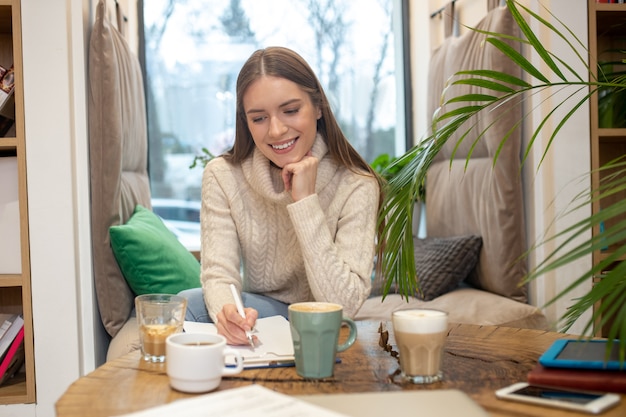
(292, 111)
(257, 119)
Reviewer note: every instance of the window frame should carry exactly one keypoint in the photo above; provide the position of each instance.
(404, 90)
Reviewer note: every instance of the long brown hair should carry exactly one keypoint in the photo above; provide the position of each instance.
(284, 63)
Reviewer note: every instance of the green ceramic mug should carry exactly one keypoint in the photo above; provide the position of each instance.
(315, 334)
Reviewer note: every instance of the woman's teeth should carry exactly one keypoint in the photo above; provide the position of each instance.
(284, 145)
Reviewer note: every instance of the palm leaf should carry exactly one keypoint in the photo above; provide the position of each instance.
(458, 116)
(534, 41)
(566, 39)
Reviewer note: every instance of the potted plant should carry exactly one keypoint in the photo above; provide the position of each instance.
(611, 100)
(410, 171)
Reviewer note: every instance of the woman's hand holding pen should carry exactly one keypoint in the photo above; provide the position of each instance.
(233, 327)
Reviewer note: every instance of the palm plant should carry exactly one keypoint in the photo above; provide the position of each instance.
(500, 89)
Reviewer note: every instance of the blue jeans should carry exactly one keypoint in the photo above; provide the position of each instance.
(266, 306)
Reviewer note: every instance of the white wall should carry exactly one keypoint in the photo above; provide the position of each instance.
(65, 325)
(564, 172)
(69, 338)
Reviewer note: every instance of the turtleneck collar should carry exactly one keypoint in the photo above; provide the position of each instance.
(265, 178)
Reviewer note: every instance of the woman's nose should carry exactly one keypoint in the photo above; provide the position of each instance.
(277, 127)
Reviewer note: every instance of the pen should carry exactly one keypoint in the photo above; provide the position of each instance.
(239, 305)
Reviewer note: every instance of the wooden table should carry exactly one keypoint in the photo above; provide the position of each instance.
(477, 360)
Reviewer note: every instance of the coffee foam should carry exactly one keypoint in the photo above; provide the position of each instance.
(420, 321)
(315, 307)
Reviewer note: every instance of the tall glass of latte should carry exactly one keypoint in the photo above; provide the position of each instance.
(420, 335)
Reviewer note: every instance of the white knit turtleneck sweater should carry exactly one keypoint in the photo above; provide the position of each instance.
(319, 248)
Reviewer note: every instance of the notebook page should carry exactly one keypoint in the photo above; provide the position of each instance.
(248, 401)
(274, 345)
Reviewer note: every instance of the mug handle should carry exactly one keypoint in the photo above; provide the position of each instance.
(351, 338)
(238, 362)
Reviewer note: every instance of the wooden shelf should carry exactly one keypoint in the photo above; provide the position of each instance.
(616, 134)
(605, 254)
(14, 390)
(10, 280)
(607, 7)
(8, 144)
(15, 287)
(607, 40)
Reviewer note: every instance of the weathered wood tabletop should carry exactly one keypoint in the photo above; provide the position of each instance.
(478, 360)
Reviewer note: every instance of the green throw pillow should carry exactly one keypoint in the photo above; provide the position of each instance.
(151, 257)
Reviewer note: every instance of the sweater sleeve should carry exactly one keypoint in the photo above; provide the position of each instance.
(220, 250)
(339, 259)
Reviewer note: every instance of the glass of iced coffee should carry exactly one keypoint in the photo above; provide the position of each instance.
(158, 316)
(420, 335)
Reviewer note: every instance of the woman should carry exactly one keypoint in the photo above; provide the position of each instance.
(292, 205)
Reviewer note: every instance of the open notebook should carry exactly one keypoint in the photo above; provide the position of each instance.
(274, 347)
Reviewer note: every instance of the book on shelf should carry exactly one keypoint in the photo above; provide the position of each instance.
(16, 323)
(7, 87)
(14, 358)
(587, 379)
(6, 320)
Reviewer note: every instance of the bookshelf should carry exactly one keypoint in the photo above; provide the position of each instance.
(607, 36)
(15, 283)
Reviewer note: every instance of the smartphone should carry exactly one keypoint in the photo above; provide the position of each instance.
(582, 354)
(570, 399)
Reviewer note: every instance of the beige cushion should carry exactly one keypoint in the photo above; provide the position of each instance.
(480, 199)
(464, 305)
(118, 150)
(126, 340)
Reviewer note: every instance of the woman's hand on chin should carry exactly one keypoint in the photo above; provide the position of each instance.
(299, 177)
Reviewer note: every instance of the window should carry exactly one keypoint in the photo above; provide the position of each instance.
(193, 50)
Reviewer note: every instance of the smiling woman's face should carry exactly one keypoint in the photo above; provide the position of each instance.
(281, 118)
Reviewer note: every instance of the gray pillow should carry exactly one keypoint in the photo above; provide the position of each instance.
(443, 263)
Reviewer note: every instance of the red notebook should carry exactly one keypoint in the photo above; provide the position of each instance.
(12, 360)
(593, 380)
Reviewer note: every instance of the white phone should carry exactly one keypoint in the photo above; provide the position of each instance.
(571, 399)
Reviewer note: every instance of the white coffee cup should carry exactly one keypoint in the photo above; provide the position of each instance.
(195, 362)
